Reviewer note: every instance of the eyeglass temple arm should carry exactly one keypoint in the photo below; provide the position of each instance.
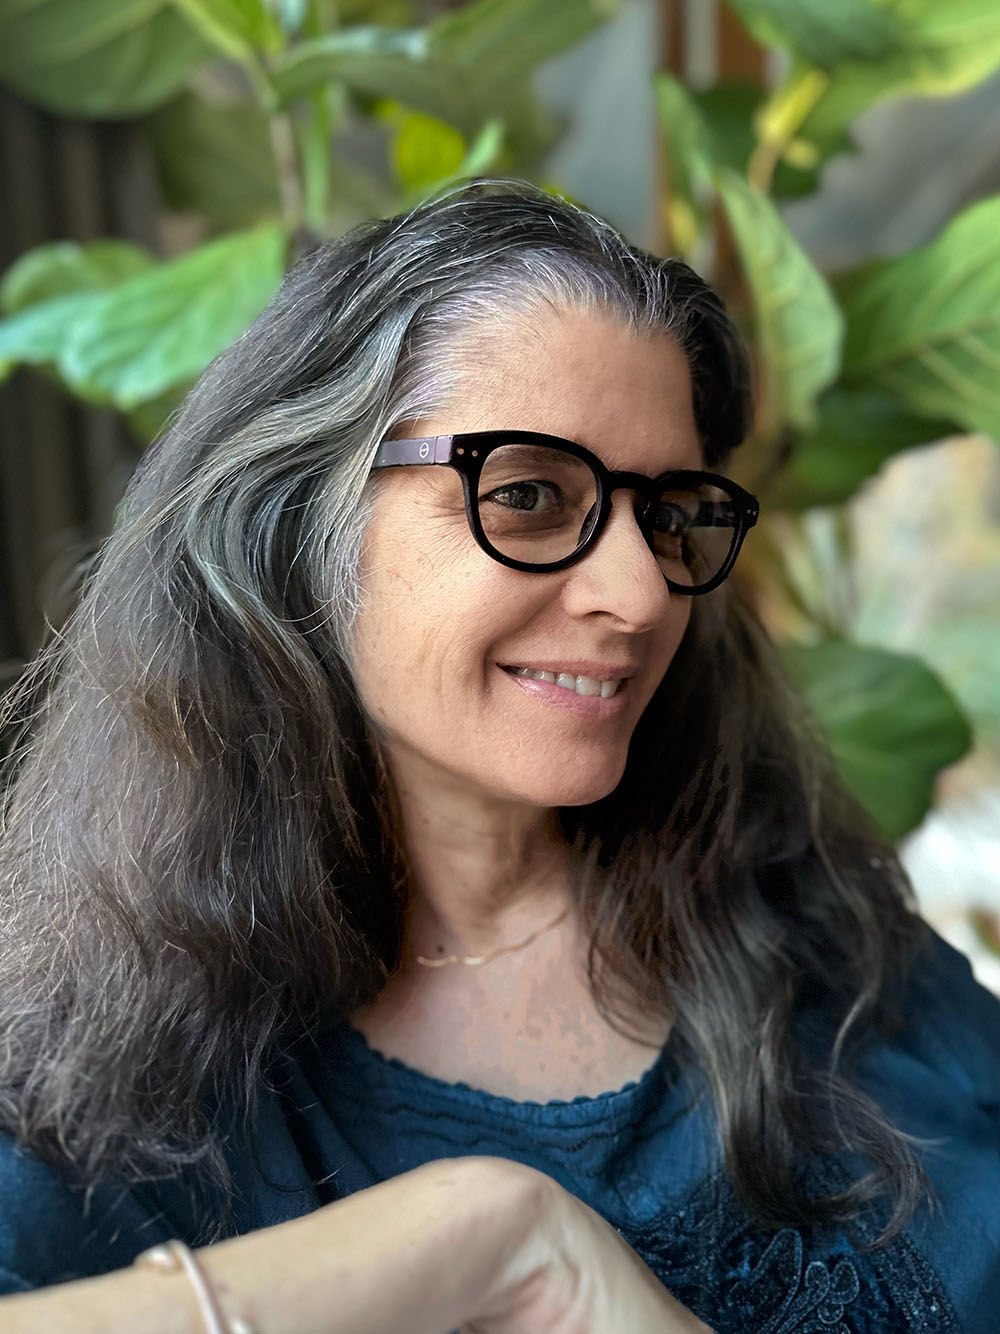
(399, 453)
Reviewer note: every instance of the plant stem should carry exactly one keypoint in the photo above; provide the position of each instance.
(283, 147)
(286, 161)
(779, 121)
(316, 134)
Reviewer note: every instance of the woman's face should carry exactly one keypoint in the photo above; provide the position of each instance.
(442, 620)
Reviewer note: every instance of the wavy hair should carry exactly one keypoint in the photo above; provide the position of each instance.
(200, 859)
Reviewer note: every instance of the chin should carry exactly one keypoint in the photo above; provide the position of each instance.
(581, 791)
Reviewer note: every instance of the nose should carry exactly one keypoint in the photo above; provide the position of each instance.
(619, 575)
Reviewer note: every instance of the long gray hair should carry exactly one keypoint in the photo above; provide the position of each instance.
(200, 860)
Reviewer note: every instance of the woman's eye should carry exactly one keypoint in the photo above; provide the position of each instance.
(672, 521)
(529, 497)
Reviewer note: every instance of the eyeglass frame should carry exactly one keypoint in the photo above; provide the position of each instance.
(468, 451)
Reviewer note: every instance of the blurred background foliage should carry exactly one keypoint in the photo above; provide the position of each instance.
(273, 124)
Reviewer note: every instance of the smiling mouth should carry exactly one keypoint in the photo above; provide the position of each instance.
(580, 685)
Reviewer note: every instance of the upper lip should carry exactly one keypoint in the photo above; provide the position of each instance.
(598, 671)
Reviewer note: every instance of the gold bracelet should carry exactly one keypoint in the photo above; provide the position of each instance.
(173, 1257)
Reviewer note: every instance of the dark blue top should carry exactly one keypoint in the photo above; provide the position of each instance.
(342, 1118)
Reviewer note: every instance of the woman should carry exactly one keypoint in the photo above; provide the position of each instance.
(420, 857)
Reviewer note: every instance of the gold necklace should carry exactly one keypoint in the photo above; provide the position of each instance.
(485, 958)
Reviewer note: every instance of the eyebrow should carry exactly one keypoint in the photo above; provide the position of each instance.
(527, 450)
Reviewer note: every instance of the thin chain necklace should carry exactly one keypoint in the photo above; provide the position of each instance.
(485, 958)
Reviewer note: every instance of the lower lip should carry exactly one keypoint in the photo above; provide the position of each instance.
(584, 706)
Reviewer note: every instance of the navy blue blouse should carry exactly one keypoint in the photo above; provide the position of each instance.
(343, 1118)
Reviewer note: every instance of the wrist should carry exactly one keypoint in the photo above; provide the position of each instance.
(498, 1222)
(526, 1220)
(445, 1232)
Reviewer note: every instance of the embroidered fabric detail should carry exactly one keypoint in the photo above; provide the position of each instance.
(737, 1278)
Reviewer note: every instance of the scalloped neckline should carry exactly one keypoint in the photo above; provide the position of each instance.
(451, 1088)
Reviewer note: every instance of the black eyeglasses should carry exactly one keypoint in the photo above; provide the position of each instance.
(539, 503)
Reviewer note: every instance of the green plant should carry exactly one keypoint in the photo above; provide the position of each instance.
(851, 369)
(251, 106)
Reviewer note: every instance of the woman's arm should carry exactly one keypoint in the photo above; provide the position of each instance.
(483, 1243)
(412, 1255)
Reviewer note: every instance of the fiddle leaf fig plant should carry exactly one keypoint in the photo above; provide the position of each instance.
(254, 148)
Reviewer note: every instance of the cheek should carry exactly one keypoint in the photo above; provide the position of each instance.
(416, 641)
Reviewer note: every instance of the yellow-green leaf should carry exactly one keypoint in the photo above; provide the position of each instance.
(423, 149)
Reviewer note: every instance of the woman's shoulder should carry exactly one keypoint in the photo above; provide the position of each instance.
(55, 1227)
(52, 1231)
(937, 1077)
(948, 1039)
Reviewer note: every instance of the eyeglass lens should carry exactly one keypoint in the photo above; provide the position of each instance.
(538, 505)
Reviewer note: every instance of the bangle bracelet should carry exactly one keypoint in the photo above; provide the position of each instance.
(173, 1257)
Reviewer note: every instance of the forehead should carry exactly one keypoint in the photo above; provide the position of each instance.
(584, 376)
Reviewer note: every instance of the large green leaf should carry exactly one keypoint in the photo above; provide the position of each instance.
(462, 68)
(857, 431)
(940, 49)
(53, 32)
(130, 343)
(215, 160)
(799, 325)
(395, 63)
(51, 287)
(62, 267)
(820, 32)
(98, 58)
(165, 326)
(891, 724)
(38, 336)
(500, 40)
(926, 327)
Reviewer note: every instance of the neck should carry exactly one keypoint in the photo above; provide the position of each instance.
(484, 874)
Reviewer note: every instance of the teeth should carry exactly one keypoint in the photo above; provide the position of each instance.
(582, 685)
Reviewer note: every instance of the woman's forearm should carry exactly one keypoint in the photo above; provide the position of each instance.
(412, 1255)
